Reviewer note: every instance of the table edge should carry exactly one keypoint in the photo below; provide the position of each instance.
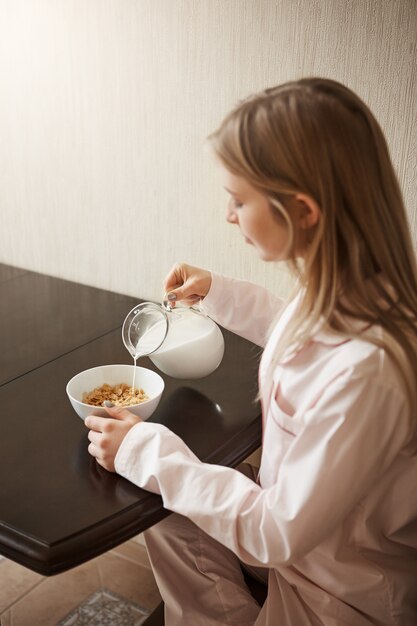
(51, 559)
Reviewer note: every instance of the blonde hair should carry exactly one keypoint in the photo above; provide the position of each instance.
(315, 136)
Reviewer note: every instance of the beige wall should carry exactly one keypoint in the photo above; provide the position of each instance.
(105, 105)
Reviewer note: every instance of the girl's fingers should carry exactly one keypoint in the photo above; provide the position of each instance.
(121, 413)
(183, 293)
(179, 277)
(174, 279)
(94, 451)
(101, 457)
(95, 422)
(187, 283)
(94, 437)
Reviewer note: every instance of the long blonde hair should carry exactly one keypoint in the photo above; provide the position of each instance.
(315, 136)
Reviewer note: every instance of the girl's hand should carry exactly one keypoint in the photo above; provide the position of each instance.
(187, 283)
(107, 434)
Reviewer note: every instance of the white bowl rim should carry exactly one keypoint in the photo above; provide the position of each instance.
(116, 365)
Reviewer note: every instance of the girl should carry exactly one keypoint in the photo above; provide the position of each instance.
(331, 522)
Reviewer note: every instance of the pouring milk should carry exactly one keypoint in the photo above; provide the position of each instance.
(182, 343)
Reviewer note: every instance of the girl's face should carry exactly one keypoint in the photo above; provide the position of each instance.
(252, 212)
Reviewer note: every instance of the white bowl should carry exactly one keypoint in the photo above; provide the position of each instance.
(151, 382)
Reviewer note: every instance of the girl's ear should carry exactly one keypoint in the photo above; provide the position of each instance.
(309, 213)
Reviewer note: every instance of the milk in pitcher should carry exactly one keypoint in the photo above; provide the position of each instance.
(193, 347)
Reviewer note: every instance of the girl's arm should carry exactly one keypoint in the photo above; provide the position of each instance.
(242, 307)
(239, 306)
(350, 438)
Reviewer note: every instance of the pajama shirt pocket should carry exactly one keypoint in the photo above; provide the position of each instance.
(280, 432)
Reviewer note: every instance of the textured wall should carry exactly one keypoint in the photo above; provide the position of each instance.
(105, 106)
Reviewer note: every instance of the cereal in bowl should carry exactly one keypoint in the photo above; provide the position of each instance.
(120, 395)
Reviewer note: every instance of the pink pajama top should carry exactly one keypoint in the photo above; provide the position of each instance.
(334, 515)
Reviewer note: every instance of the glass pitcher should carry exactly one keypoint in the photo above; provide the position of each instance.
(182, 342)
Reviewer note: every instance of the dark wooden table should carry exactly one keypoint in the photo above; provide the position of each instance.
(58, 508)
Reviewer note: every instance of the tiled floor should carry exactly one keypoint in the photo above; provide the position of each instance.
(115, 589)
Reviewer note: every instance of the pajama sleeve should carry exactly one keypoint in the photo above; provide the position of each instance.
(350, 438)
(242, 307)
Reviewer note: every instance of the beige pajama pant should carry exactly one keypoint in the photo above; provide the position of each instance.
(200, 581)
